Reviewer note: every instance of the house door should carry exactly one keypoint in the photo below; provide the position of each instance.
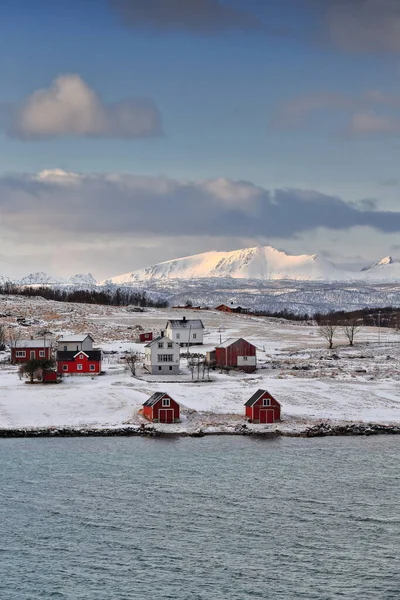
(166, 415)
(266, 415)
(32, 355)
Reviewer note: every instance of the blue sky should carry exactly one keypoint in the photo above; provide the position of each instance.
(287, 94)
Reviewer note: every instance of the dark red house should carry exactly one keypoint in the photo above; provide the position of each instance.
(236, 354)
(263, 408)
(161, 408)
(146, 337)
(232, 308)
(83, 362)
(39, 349)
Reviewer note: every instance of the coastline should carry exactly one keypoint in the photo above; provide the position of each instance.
(318, 430)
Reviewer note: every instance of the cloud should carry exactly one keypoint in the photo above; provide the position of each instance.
(296, 111)
(196, 16)
(364, 25)
(369, 123)
(71, 108)
(68, 205)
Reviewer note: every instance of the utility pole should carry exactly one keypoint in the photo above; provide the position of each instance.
(379, 326)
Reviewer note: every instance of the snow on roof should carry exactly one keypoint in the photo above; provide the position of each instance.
(160, 337)
(38, 343)
(154, 398)
(74, 338)
(191, 323)
(231, 341)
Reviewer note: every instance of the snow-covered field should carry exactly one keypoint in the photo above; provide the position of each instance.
(313, 384)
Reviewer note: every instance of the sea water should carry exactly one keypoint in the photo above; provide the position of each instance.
(208, 518)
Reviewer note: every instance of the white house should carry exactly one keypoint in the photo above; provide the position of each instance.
(69, 343)
(162, 356)
(185, 331)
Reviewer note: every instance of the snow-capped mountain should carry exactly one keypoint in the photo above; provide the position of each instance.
(41, 278)
(262, 262)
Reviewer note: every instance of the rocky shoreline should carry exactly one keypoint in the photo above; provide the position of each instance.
(319, 430)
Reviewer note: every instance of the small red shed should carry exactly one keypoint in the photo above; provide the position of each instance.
(236, 354)
(161, 408)
(146, 337)
(263, 408)
(50, 377)
(79, 363)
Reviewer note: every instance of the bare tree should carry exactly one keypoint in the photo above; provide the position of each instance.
(131, 361)
(350, 330)
(3, 337)
(191, 366)
(327, 330)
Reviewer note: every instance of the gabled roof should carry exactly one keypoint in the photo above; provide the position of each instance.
(155, 398)
(159, 339)
(38, 343)
(256, 396)
(75, 338)
(187, 323)
(231, 341)
(72, 354)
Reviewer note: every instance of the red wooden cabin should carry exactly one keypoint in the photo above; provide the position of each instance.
(263, 408)
(25, 350)
(236, 354)
(146, 337)
(161, 408)
(79, 363)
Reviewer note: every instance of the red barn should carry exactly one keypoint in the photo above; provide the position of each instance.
(25, 350)
(161, 408)
(236, 354)
(146, 337)
(263, 408)
(79, 363)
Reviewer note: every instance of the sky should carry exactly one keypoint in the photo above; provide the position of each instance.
(137, 131)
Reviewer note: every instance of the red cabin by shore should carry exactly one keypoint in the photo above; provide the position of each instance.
(30, 350)
(161, 408)
(86, 362)
(236, 354)
(146, 337)
(263, 408)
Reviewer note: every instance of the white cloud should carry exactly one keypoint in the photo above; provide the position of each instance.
(71, 108)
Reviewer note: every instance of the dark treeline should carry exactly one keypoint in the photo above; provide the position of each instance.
(387, 316)
(109, 297)
(282, 314)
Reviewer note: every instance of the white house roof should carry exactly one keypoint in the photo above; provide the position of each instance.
(38, 343)
(186, 323)
(74, 338)
(231, 341)
(158, 339)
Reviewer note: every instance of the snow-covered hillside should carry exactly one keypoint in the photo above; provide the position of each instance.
(261, 262)
(41, 278)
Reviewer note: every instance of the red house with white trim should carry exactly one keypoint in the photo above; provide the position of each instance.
(263, 408)
(161, 408)
(24, 350)
(83, 362)
(236, 354)
(146, 337)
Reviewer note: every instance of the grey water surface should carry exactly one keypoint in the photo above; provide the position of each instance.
(209, 518)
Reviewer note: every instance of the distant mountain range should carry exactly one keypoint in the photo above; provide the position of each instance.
(262, 263)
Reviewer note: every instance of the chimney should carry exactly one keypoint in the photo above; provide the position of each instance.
(162, 333)
(184, 319)
(31, 337)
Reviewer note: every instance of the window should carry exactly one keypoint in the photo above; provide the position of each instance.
(79, 367)
(165, 358)
(41, 353)
(166, 402)
(160, 344)
(81, 356)
(92, 368)
(159, 368)
(65, 348)
(65, 368)
(266, 402)
(170, 368)
(178, 336)
(195, 336)
(170, 344)
(244, 357)
(20, 354)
